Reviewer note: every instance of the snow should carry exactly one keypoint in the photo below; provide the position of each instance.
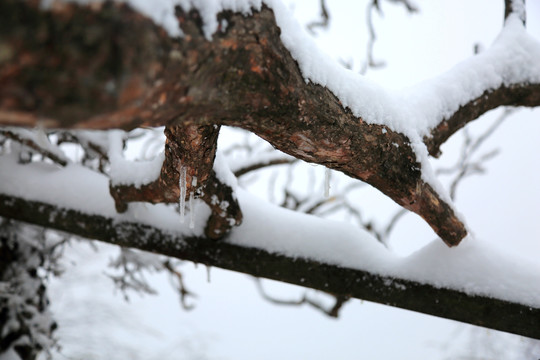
(474, 267)
(127, 172)
(77, 187)
(223, 172)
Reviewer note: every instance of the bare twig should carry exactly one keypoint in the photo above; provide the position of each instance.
(253, 167)
(31, 143)
(340, 300)
(182, 290)
(323, 22)
(465, 165)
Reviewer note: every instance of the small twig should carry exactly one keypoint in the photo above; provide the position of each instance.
(392, 223)
(258, 166)
(464, 166)
(184, 293)
(332, 312)
(323, 22)
(372, 37)
(34, 146)
(91, 149)
(370, 61)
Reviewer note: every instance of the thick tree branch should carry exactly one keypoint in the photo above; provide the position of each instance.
(406, 294)
(514, 95)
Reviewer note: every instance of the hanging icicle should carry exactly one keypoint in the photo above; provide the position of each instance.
(327, 182)
(183, 188)
(191, 210)
(192, 203)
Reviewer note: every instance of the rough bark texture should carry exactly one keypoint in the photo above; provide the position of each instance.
(452, 304)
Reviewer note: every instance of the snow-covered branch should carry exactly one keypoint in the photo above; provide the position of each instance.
(435, 296)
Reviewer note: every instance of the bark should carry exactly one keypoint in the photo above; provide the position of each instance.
(447, 303)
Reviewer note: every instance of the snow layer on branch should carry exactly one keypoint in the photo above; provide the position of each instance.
(127, 172)
(513, 58)
(474, 267)
(79, 188)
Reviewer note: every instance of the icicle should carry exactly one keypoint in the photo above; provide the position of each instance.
(191, 210)
(327, 182)
(192, 203)
(182, 184)
(208, 273)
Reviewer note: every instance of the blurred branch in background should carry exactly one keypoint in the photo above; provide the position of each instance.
(332, 311)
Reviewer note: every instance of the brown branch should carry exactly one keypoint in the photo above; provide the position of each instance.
(513, 95)
(253, 167)
(452, 304)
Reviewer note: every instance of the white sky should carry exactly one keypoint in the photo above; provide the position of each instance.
(231, 321)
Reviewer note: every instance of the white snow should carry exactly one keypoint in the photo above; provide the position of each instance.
(77, 187)
(9, 354)
(127, 172)
(223, 172)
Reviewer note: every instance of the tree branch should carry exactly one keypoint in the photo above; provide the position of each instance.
(513, 95)
(452, 304)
